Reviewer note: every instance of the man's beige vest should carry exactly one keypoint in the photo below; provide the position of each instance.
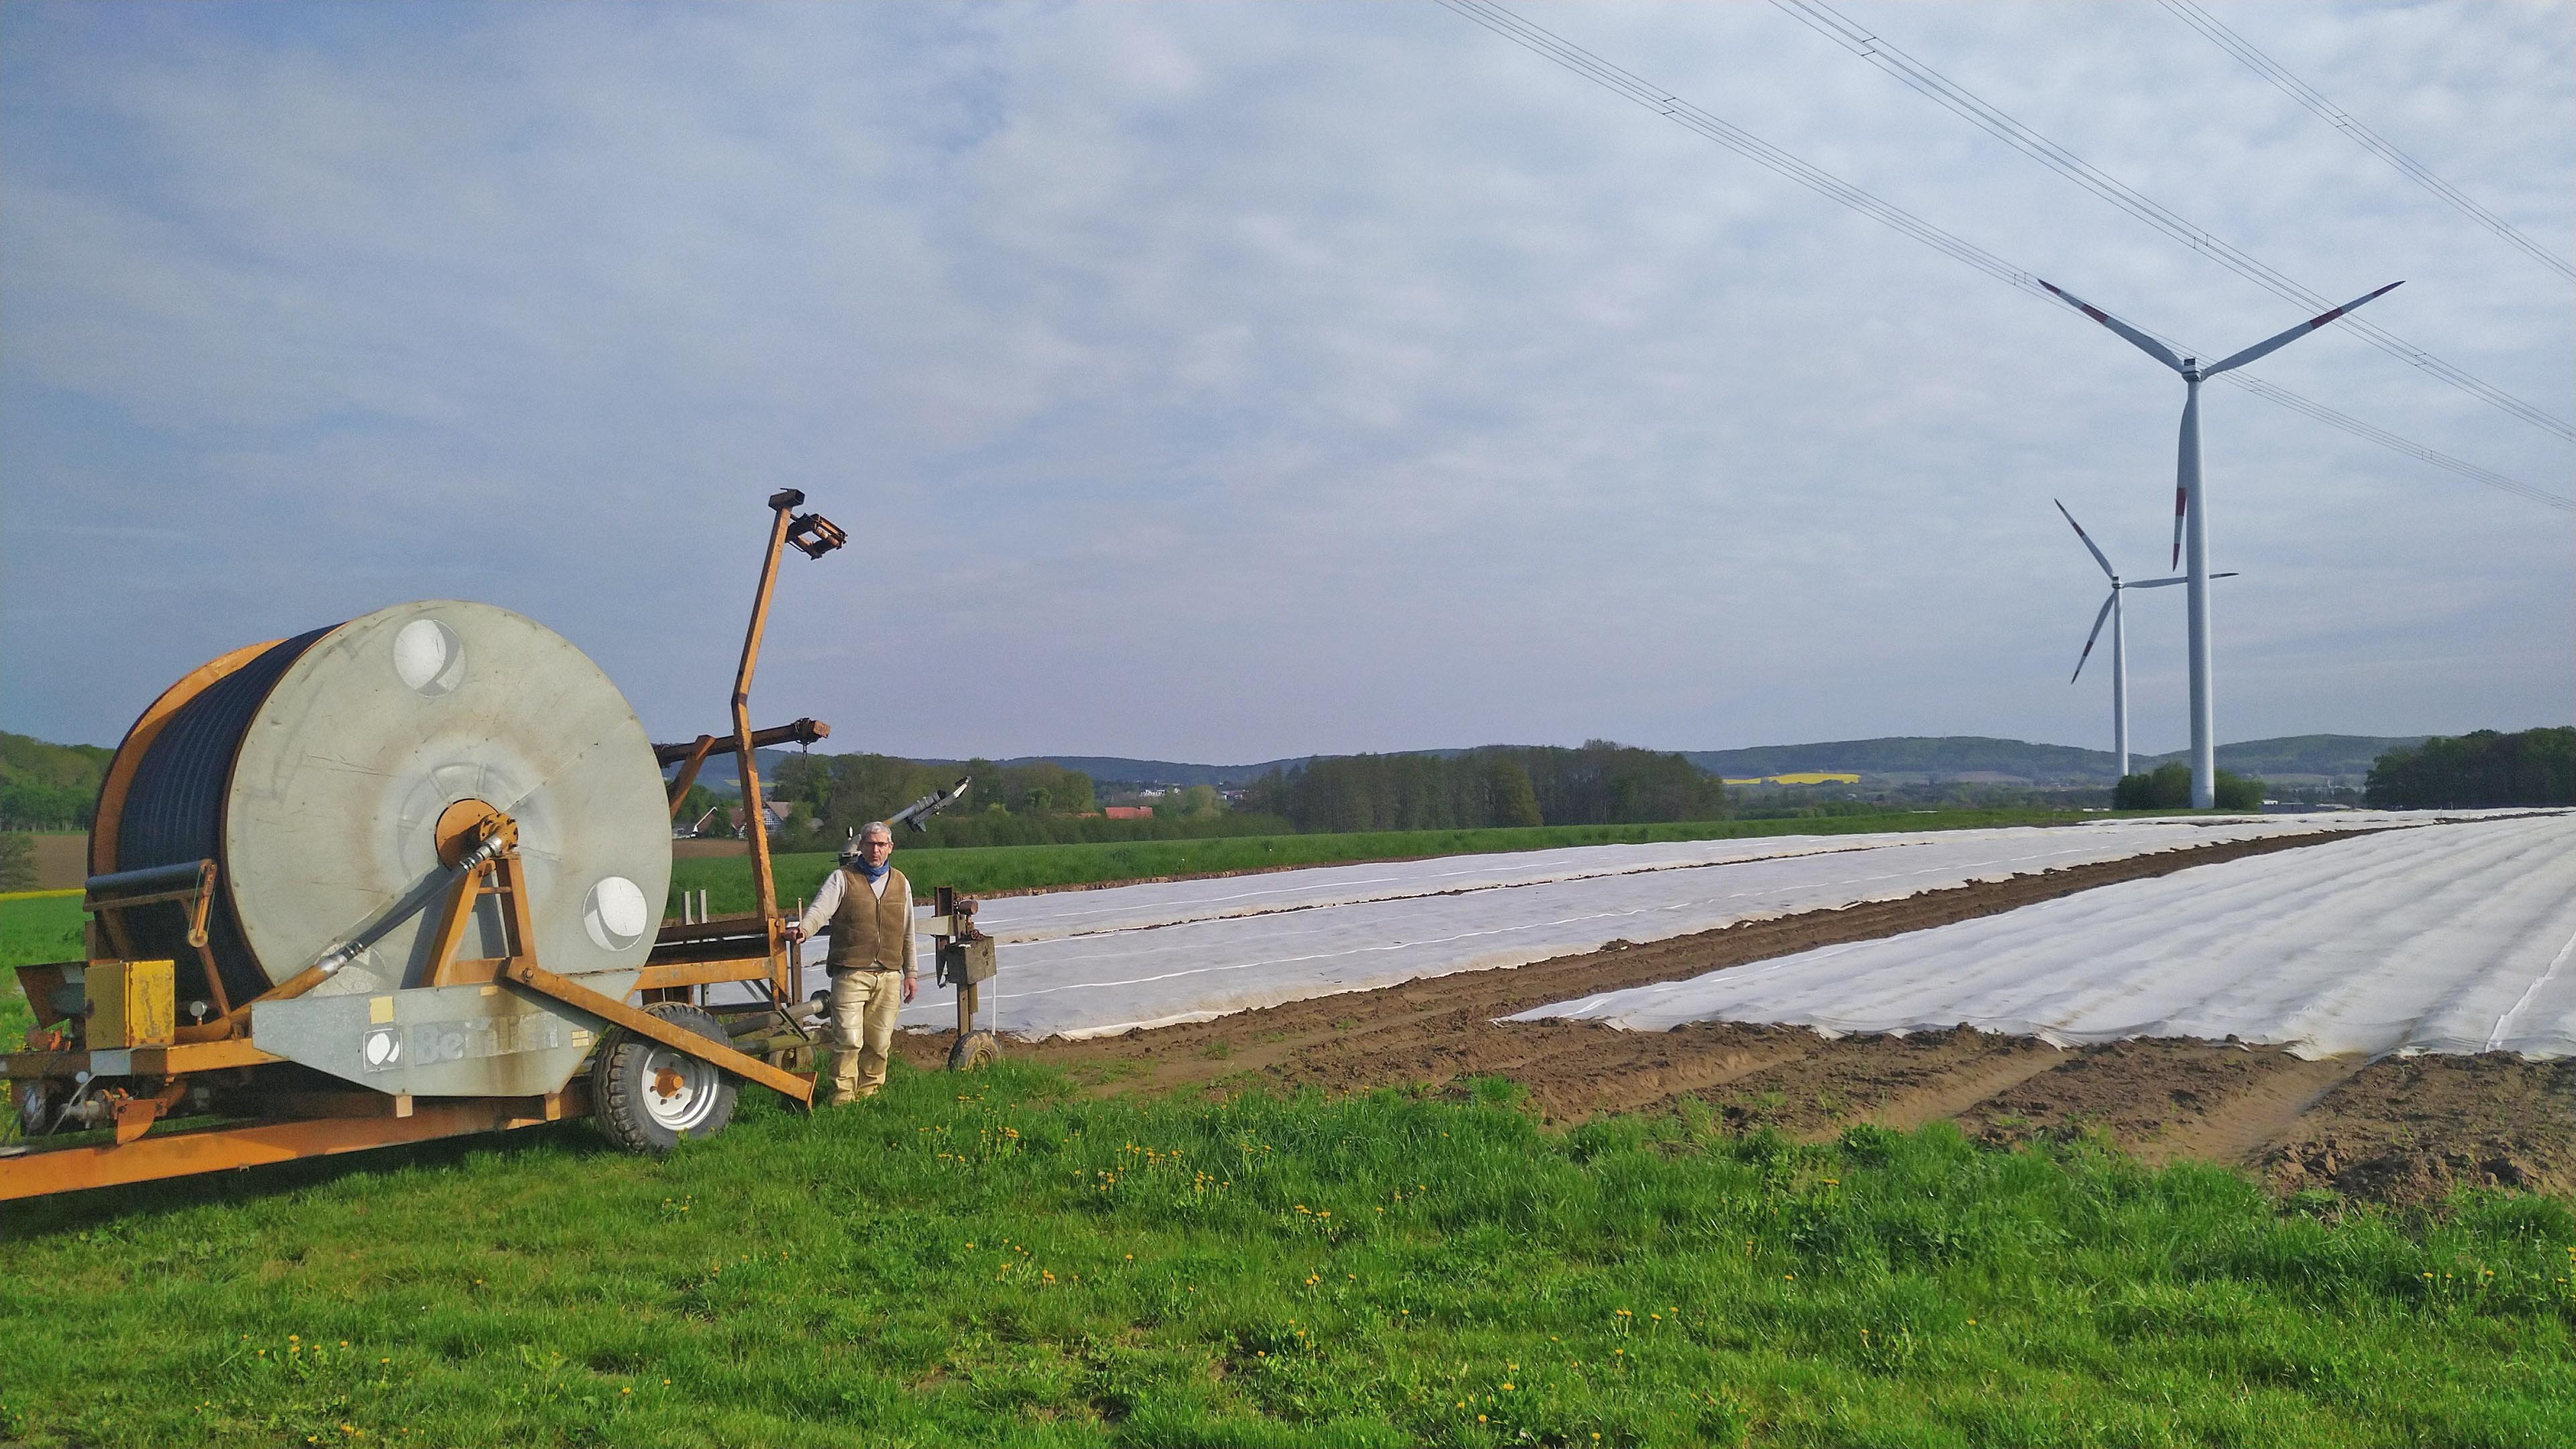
(869, 932)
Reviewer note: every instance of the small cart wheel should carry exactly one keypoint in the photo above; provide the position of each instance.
(974, 1051)
(649, 1096)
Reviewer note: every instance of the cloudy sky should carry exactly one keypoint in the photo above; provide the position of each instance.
(1222, 382)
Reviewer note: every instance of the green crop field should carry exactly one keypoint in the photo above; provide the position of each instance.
(727, 879)
(1019, 1264)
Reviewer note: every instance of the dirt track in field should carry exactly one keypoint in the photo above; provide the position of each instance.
(2400, 1131)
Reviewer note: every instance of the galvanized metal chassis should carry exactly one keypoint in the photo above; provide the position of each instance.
(271, 1110)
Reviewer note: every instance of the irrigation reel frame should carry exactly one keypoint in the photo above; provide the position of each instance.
(108, 1056)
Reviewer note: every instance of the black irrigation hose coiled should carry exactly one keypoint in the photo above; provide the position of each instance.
(174, 814)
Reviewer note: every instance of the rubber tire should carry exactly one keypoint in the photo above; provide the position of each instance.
(618, 1083)
(974, 1051)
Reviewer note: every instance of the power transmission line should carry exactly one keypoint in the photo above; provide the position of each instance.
(1744, 143)
(1827, 21)
(2362, 136)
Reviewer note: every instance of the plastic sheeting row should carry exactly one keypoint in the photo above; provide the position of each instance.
(2451, 938)
(1085, 963)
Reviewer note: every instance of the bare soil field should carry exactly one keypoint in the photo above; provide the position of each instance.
(62, 859)
(2397, 1130)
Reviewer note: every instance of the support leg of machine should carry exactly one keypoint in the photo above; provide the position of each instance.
(796, 1088)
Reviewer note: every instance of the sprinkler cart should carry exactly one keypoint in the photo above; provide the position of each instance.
(401, 879)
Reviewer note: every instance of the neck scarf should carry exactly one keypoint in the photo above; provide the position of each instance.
(874, 873)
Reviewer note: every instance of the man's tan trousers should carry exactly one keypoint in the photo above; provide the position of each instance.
(864, 1004)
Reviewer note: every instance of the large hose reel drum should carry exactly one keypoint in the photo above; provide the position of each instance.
(317, 771)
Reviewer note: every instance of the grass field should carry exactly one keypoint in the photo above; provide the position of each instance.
(36, 928)
(727, 880)
(1022, 1265)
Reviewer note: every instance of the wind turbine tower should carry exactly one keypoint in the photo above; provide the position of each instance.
(2113, 610)
(2191, 510)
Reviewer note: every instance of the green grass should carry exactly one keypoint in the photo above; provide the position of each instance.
(727, 879)
(1019, 1266)
(46, 928)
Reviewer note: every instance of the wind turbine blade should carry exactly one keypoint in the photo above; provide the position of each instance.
(2176, 579)
(2275, 344)
(2088, 543)
(2138, 339)
(2182, 501)
(2096, 634)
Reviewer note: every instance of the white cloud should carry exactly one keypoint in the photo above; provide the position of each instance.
(1237, 381)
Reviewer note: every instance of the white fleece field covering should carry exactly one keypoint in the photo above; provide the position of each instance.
(2457, 937)
(1093, 962)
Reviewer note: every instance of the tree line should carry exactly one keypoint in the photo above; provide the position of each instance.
(2483, 767)
(29, 805)
(1501, 785)
(1601, 783)
(828, 796)
(2168, 787)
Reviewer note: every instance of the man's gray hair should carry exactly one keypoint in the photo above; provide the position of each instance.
(877, 827)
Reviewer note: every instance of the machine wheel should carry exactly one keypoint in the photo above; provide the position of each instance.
(37, 1106)
(974, 1051)
(648, 1096)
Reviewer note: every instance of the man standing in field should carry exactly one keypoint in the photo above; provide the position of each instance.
(868, 906)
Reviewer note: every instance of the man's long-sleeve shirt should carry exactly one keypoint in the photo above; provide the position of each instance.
(828, 900)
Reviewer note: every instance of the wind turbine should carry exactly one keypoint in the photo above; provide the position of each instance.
(2189, 505)
(2118, 615)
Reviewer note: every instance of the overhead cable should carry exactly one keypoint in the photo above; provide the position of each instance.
(1690, 117)
(2369, 140)
(1832, 24)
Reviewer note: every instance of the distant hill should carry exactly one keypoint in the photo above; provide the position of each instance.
(1116, 770)
(718, 773)
(47, 786)
(76, 769)
(2350, 755)
(1961, 755)
(1914, 755)
(26, 760)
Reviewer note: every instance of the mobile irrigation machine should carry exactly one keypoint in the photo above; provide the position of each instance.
(400, 879)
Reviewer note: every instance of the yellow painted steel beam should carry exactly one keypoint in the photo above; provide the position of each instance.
(162, 1061)
(182, 1154)
(702, 973)
(796, 1088)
